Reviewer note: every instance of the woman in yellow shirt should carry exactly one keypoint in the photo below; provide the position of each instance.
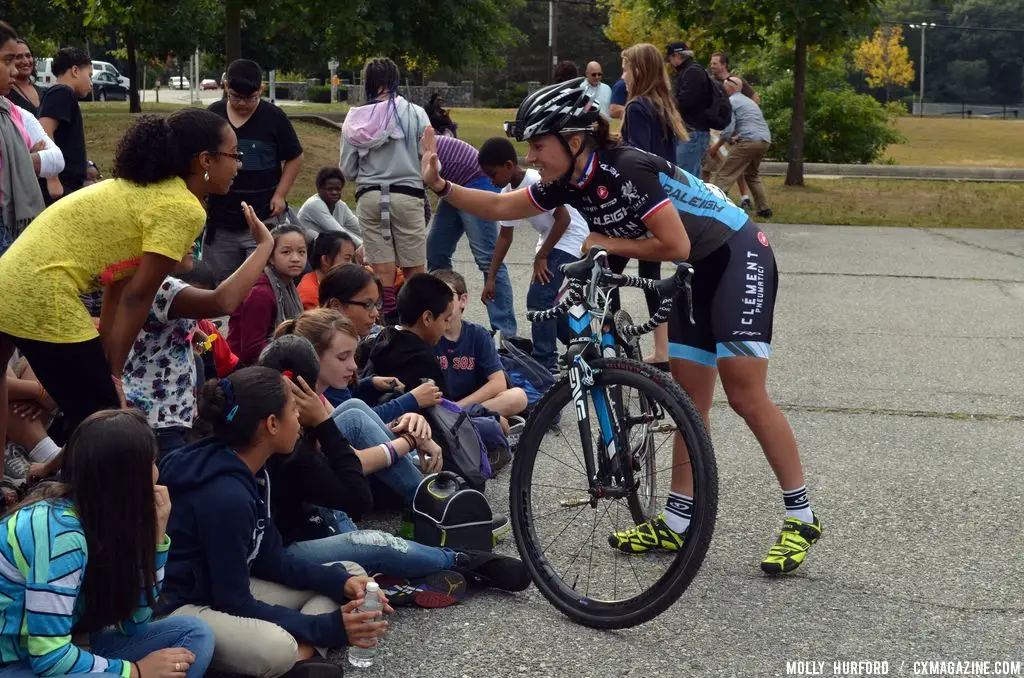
(123, 236)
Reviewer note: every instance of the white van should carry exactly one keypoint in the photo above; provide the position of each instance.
(44, 74)
(107, 67)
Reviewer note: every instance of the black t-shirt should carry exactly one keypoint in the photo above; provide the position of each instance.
(19, 99)
(624, 186)
(266, 140)
(61, 103)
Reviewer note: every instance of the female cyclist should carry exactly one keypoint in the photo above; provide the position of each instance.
(641, 206)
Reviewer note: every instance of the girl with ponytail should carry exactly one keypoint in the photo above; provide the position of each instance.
(122, 237)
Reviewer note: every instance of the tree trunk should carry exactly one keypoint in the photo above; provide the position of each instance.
(795, 171)
(134, 105)
(233, 30)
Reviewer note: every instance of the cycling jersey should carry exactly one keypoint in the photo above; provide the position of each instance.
(623, 186)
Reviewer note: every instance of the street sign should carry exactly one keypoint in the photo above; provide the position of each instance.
(333, 64)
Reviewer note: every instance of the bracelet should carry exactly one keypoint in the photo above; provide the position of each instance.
(387, 455)
(444, 192)
(138, 671)
(392, 452)
(117, 380)
(409, 440)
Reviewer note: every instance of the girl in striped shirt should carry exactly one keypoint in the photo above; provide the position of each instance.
(115, 523)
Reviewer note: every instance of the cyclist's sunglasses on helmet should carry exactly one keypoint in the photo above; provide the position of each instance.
(512, 128)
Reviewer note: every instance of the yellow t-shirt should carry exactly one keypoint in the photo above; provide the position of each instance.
(84, 242)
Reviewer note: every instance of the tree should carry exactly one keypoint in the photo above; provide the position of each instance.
(885, 60)
(808, 23)
(634, 21)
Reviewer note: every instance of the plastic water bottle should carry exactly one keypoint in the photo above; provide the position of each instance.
(359, 656)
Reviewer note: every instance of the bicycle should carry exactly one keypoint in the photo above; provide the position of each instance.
(603, 368)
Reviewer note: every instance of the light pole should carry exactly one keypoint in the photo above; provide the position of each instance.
(922, 26)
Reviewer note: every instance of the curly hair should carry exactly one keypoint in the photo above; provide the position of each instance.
(155, 149)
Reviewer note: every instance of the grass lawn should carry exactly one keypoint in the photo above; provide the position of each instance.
(865, 202)
(952, 141)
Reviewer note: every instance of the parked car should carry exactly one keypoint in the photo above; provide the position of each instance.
(178, 82)
(107, 67)
(105, 87)
(208, 83)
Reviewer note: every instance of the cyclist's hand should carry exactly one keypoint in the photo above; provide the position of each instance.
(430, 164)
(489, 290)
(595, 240)
(541, 272)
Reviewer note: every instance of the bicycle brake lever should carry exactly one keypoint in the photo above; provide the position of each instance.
(689, 300)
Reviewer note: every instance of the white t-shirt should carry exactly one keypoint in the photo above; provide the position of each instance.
(575, 234)
(160, 374)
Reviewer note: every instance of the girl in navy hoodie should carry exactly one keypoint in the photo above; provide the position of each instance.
(268, 609)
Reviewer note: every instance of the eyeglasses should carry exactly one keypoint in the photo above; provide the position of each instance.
(367, 305)
(238, 98)
(236, 156)
(595, 75)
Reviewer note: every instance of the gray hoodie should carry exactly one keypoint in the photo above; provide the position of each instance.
(380, 143)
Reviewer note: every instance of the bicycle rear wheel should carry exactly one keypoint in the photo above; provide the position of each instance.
(562, 531)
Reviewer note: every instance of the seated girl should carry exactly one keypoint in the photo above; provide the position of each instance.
(160, 374)
(329, 250)
(273, 299)
(334, 339)
(73, 559)
(312, 480)
(268, 608)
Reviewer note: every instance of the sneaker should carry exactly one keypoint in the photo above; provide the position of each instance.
(437, 590)
(314, 667)
(515, 430)
(499, 457)
(765, 213)
(653, 535)
(500, 526)
(795, 540)
(492, 570)
(746, 203)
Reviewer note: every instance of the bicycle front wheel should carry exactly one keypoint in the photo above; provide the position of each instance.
(562, 527)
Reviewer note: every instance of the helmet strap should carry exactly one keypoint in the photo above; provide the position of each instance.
(573, 157)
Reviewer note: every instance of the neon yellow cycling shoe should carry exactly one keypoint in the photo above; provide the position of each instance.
(789, 551)
(655, 534)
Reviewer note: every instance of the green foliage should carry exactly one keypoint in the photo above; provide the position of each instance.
(841, 125)
(319, 94)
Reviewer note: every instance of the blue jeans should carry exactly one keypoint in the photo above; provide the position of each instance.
(362, 428)
(447, 228)
(186, 632)
(377, 552)
(690, 155)
(542, 297)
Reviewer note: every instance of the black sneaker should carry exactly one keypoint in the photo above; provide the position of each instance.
(746, 203)
(314, 667)
(500, 526)
(499, 457)
(492, 570)
(516, 425)
(765, 213)
(440, 589)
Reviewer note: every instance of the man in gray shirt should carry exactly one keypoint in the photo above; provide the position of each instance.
(326, 212)
(749, 139)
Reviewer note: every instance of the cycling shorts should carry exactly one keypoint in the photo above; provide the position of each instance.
(733, 302)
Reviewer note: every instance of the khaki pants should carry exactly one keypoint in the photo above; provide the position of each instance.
(253, 647)
(744, 160)
(407, 246)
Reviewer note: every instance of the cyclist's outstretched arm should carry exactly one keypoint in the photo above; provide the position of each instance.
(483, 204)
(669, 241)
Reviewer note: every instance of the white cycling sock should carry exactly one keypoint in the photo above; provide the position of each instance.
(797, 504)
(678, 512)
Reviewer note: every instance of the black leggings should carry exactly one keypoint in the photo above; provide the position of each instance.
(76, 376)
(646, 269)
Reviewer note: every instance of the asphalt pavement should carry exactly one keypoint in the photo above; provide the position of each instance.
(899, 359)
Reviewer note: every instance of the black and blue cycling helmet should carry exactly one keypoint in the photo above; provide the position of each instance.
(563, 108)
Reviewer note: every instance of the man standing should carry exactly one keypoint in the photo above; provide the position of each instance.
(749, 138)
(61, 118)
(720, 71)
(271, 159)
(597, 90)
(693, 96)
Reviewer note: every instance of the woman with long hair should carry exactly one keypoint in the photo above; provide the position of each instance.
(651, 122)
(380, 153)
(269, 610)
(74, 557)
(122, 236)
(640, 206)
(24, 91)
